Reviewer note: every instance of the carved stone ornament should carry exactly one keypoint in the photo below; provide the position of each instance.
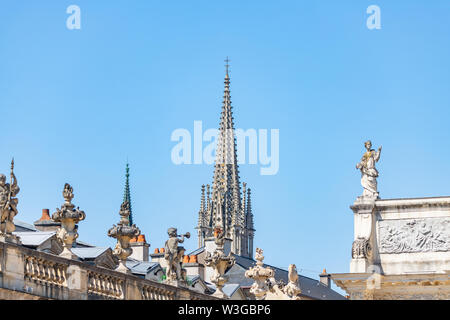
(68, 216)
(219, 262)
(8, 205)
(414, 235)
(361, 249)
(123, 232)
(265, 286)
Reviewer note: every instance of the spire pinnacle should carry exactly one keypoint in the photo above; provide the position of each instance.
(227, 65)
(126, 193)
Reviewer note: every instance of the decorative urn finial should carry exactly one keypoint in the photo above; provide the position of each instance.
(219, 262)
(68, 216)
(123, 232)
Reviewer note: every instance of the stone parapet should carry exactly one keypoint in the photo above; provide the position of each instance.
(31, 274)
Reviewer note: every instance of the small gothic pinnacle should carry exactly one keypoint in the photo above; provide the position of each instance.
(227, 65)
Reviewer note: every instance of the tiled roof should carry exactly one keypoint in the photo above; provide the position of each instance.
(196, 251)
(82, 244)
(34, 239)
(141, 267)
(88, 253)
(230, 288)
(24, 225)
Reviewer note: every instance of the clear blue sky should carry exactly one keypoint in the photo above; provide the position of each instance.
(76, 103)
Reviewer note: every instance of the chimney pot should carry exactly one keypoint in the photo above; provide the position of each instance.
(325, 278)
(45, 214)
(141, 238)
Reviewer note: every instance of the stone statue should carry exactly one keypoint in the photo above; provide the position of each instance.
(292, 289)
(8, 202)
(68, 216)
(219, 262)
(123, 232)
(173, 255)
(369, 173)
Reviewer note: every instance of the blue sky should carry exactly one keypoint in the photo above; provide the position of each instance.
(76, 103)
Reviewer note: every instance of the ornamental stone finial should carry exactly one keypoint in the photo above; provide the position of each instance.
(68, 216)
(261, 276)
(266, 287)
(8, 205)
(219, 262)
(369, 173)
(123, 232)
(173, 254)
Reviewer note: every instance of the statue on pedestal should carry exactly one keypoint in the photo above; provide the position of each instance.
(123, 232)
(68, 216)
(174, 255)
(8, 203)
(369, 173)
(219, 262)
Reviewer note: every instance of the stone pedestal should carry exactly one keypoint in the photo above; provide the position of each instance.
(68, 254)
(359, 265)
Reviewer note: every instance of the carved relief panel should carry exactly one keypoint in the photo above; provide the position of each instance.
(414, 235)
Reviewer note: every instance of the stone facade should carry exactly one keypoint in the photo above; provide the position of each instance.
(401, 250)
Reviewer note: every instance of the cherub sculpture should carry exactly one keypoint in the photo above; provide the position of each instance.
(174, 254)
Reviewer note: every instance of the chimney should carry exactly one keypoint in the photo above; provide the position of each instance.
(140, 248)
(325, 278)
(45, 223)
(192, 267)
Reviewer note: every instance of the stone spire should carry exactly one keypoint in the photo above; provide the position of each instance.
(126, 193)
(225, 208)
(226, 172)
(249, 213)
(249, 225)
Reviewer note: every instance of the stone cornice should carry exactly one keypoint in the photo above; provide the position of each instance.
(358, 281)
(413, 203)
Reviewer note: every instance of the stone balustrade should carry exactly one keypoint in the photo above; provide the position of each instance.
(105, 286)
(157, 293)
(45, 271)
(29, 274)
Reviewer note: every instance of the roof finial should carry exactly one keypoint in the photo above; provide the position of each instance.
(126, 194)
(227, 65)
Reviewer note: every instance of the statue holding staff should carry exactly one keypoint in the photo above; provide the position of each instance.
(369, 173)
(8, 202)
